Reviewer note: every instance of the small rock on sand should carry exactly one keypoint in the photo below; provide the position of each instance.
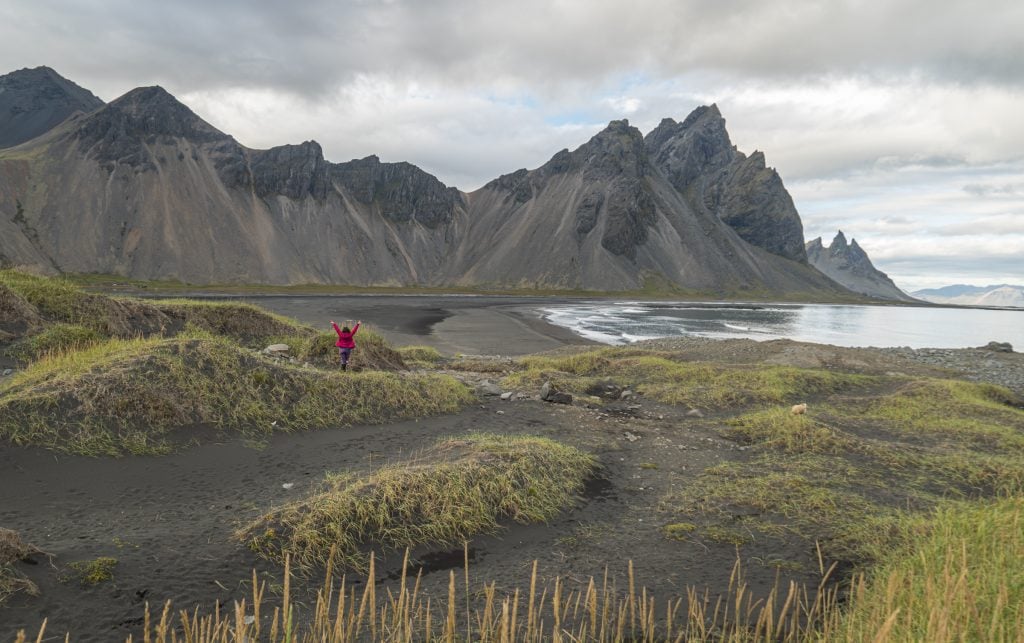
(694, 413)
(489, 388)
(506, 395)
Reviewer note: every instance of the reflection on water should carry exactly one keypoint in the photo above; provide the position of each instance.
(625, 322)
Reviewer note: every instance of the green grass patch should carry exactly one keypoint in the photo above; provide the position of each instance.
(658, 376)
(853, 470)
(127, 396)
(963, 414)
(56, 338)
(93, 572)
(961, 578)
(679, 530)
(422, 356)
(458, 488)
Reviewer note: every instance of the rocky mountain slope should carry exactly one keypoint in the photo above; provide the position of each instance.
(143, 187)
(848, 264)
(999, 296)
(33, 101)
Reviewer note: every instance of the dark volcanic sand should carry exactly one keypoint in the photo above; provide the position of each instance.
(169, 520)
(467, 324)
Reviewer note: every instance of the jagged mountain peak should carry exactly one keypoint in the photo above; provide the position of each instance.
(708, 114)
(618, 149)
(120, 131)
(848, 264)
(34, 101)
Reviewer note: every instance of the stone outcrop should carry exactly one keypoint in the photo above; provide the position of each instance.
(701, 162)
(34, 101)
(848, 264)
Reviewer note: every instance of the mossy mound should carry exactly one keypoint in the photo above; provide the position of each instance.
(128, 396)
(458, 488)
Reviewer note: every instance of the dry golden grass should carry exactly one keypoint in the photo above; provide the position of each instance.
(454, 490)
(960, 579)
(13, 549)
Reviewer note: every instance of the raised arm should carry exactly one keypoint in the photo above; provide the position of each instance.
(336, 329)
(356, 329)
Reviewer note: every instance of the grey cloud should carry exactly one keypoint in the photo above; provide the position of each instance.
(983, 190)
(550, 48)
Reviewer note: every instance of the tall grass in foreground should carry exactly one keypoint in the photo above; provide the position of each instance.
(962, 581)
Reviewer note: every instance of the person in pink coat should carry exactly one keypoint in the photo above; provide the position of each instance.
(345, 342)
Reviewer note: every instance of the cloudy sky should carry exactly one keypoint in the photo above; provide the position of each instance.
(899, 121)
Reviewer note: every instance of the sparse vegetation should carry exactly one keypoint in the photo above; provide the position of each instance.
(679, 530)
(458, 488)
(93, 572)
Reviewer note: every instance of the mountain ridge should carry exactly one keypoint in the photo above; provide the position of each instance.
(995, 295)
(181, 199)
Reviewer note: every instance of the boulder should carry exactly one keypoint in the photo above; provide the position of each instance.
(277, 348)
(998, 347)
(549, 393)
(488, 388)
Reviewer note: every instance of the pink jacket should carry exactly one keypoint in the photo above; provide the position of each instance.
(345, 339)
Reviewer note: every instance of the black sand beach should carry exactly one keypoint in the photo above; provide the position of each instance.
(466, 324)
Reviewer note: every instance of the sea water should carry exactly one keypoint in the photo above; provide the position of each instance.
(842, 325)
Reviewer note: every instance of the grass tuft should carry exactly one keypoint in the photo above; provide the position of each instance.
(458, 488)
(95, 571)
(56, 338)
(421, 356)
(12, 550)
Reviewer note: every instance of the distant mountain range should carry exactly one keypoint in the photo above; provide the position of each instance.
(1000, 296)
(142, 187)
(848, 264)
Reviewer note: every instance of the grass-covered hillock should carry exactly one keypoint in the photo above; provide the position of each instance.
(458, 488)
(43, 315)
(660, 376)
(128, 396)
